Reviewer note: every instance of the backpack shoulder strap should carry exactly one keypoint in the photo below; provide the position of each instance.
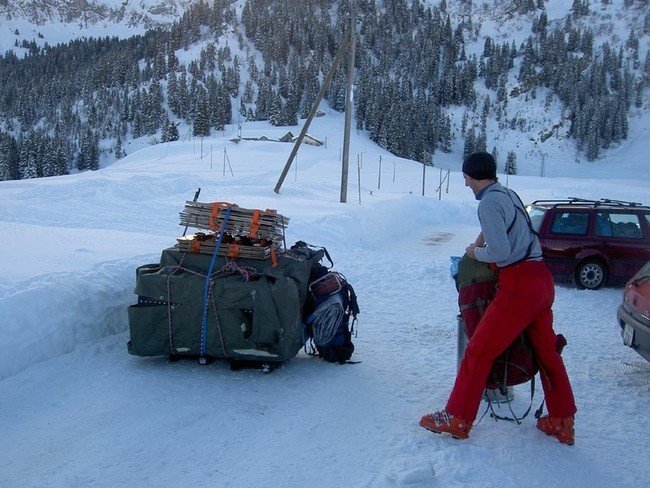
(521, 208)
(352, 298)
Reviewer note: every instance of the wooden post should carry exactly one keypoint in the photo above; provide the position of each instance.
(359, 177)
(424, 170)
(379, 177)
(319, 97)
(226, 158)
(348, 105)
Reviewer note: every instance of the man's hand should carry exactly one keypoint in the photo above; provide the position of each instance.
(470, 251)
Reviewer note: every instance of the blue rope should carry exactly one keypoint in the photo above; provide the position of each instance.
(206, 288)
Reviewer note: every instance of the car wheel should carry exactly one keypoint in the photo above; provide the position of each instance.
(590, 275)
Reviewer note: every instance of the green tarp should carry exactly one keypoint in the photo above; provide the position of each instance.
(259, 319)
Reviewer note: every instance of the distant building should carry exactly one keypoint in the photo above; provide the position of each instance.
(276, 136)
(312, 141)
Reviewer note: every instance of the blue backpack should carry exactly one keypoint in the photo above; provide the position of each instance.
(329, 314)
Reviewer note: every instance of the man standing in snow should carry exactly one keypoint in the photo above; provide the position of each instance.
(523, 301)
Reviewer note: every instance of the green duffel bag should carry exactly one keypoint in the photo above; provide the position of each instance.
(254, 309)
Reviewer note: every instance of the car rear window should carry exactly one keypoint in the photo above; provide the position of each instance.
(536, 216)
(625, 225)
(570, 223)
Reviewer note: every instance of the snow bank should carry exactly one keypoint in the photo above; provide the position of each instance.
(77, 410)
(55, 313)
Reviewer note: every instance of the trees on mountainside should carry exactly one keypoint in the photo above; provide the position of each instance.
(72, 102)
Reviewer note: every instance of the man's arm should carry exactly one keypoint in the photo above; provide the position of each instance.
(493, 232)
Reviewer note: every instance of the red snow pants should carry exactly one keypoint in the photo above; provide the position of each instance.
(523, 301)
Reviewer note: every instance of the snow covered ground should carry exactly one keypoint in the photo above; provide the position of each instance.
(76, 410)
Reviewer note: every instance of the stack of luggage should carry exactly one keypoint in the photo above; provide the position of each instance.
(232, 292)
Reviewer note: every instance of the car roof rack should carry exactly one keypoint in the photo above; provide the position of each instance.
(603, 202)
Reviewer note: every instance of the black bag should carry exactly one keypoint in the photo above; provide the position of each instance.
(329, 314)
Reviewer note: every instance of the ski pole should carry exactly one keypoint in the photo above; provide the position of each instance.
(196, 197)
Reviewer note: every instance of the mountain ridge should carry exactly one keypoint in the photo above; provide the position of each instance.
(143, 13)
(33, 19)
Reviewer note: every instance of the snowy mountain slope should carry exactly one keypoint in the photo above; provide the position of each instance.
(58, 21)
(612, 21)
(78, 411)
(540, 138)
(541, 141)
(543, 116)
(143, 13)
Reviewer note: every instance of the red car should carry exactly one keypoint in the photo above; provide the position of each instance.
(634, 313)
(592, 242)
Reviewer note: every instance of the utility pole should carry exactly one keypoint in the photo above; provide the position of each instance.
(226, 158)
(379, 175)
(348, 104)
(349, 41)
(319, 97)
(359, 177)
(424, 169)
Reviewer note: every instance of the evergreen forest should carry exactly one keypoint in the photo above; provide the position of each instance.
(64, 107)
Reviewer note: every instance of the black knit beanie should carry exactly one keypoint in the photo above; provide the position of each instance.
(480, 166)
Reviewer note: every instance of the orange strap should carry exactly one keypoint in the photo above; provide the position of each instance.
(195, 245)
(274, 258)
(233, 250)
(255, 223)
(216, 207)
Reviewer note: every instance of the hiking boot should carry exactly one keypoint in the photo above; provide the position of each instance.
(560, 428)
(443, 421)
